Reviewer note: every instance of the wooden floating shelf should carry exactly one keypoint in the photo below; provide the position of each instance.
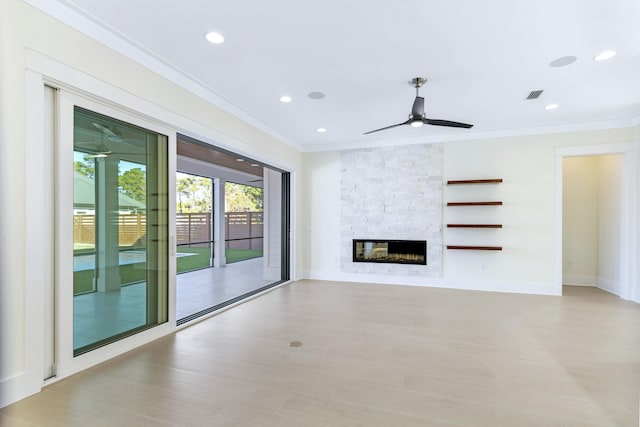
(475, 181)
(474, 225)
(476, 248)
(474, 204)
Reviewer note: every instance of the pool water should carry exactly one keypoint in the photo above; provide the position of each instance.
(88, 262)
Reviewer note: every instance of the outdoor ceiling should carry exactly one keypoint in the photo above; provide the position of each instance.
(214, 156)
(481, 58)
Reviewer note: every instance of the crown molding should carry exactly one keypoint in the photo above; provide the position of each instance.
(477, 135)
(110, 37)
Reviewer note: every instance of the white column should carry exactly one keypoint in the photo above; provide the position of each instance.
(272, 242)
(107, 270)
(219, 232)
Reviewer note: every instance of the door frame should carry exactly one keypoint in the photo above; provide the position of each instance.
(43, 70)
(66, 362)
(629, 287)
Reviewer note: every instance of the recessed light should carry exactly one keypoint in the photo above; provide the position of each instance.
(316, 95)
(239, 160)
(321, 130)
(215, 38)
(286, 99)
(563, 61)
(255, 165)
(603, 56)
(551, 107)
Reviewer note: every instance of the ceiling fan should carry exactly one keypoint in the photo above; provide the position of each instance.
(417, 117)
(102, 147)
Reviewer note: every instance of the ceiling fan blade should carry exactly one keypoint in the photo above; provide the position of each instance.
(418, 107)
(388, 127)
(447, 123)
(111, 135)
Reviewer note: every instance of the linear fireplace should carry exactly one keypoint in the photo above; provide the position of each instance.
(390, 251)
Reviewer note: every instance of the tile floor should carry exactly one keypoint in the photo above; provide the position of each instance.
(100, 315)
(201, 289)
(372, 355)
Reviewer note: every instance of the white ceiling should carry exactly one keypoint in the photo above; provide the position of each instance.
(482, 58)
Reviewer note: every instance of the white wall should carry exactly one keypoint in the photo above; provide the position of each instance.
(322, 222)
(634, 293)
(580, 220)
(527, 164)
(35, 48)
(609, 208)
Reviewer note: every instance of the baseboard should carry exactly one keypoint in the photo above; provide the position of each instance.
(609, 286)
(520, 287)
(17, 387)
(578, 280)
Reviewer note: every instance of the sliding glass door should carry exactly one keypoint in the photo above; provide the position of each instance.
(120, 229)
(249, 223)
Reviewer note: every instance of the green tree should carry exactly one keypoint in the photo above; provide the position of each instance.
(194, 194)
(255, 194)
(133, 183)
(85, 167)
(243, 198)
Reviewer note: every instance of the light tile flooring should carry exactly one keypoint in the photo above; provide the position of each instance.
(201, 289)
(100, 315)
(372, 355)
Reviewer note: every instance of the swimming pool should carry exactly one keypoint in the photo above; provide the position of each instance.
(88, 262)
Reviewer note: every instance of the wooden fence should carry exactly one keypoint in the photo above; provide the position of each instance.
(193, 227)
(131, 228)
(244, 230)
(190, 227)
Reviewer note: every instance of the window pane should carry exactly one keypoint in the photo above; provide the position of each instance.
(244, 222)
(194, 222)
(120, 229)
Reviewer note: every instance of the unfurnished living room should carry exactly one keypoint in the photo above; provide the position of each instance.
(363, 213)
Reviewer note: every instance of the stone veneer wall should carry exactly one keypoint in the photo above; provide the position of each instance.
(392, 193)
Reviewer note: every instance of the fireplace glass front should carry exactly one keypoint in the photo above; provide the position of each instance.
(390, 251)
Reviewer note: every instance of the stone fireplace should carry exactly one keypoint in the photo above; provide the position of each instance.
(392, 192)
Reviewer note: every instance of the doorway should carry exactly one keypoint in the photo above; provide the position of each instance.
(244, 222)
(111, 231)
(591, 221)
(595, 244)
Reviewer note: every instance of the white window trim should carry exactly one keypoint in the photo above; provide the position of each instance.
(42, 70)
(66, 362)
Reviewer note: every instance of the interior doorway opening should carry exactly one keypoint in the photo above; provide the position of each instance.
(591, 221)
(613, 166)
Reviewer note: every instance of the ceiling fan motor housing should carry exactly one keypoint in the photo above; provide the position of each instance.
(417, 81)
